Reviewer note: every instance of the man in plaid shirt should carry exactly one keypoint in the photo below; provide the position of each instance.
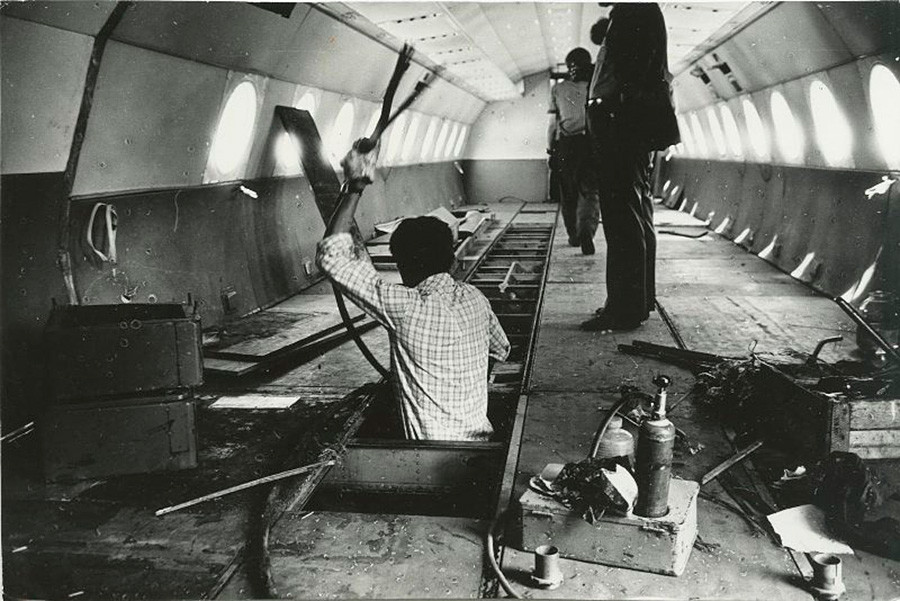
(441, 331)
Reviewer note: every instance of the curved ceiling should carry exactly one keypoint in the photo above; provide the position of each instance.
(491, 46)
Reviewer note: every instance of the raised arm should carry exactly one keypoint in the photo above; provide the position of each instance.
(359, 167)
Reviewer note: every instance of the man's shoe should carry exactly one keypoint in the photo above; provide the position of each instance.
(587, 246)
(605, 322)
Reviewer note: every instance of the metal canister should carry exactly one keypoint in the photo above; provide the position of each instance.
(656, 445)
(616, 441)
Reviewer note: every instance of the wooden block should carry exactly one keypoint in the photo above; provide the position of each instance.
(661, 545)
(228, 367)
(872, 414)
(875, 444)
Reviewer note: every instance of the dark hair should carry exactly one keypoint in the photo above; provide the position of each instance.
(579, 56)
(598, 30)
(423, 246)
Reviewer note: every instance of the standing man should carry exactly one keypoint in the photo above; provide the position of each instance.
(442, 332)
(630, 114)
(577, 173)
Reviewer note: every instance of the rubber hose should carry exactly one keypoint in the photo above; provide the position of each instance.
(489, 547)
(595, 445)
(348, 323)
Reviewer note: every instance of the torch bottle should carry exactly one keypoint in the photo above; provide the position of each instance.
(655, 448)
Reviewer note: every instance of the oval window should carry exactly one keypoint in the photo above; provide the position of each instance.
(788, 132)
(884, 97)
(686, 136)
(716, 128)
(758, 138)
(732, 133)
(428, 144)
(441, 140)
(461, 141)
(235, 130)
(451, 140)
(395, 133)
(410, 140)
(833, 133)
(339, 140)
(308, 103)
(697, 133)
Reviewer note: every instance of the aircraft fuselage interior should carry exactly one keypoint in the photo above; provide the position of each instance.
(450, 300)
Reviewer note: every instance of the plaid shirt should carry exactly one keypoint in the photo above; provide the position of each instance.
(441, 333)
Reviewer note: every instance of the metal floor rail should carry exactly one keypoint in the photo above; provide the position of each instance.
(512, 276)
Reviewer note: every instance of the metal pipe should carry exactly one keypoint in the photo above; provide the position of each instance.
(505, 283)
(855, 315)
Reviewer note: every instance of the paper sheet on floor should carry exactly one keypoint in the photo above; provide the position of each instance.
(803, 529)
(252, 401)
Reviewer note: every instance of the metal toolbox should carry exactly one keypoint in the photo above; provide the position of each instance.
(129, 436)
(101, 350)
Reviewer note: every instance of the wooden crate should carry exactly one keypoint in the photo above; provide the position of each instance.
(874, 428)
(811, 425)
(132, 436)
(661, 545)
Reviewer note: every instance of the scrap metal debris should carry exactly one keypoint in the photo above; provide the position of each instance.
(594, 486)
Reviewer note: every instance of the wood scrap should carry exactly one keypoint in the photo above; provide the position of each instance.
(233, 489)
(731, 461)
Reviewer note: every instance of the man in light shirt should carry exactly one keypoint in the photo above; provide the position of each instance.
(568, 135)
(442, 332)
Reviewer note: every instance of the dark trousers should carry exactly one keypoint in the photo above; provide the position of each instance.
(578, 185)
(627, 211)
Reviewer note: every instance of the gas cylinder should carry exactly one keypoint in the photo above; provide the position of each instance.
(655, 448)
(616, 441)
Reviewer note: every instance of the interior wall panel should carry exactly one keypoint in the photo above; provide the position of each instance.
(514, 129)
(865, 27)
(280, 231)
(211, 240)
(80, 16)
(151, 123)
(321, 51)
(232, 35)
(827, 214)
(170, 243)
(492, 180)
(308, 48)
(794, 211)
(770, 50)
(43, 82)
(29, 279)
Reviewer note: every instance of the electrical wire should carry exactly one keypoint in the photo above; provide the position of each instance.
(354, 333)
(492, 556)
(598, 437)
